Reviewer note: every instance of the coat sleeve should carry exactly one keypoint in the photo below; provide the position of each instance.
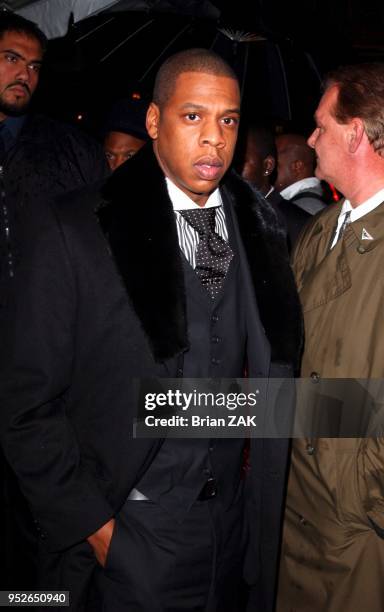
(36, 358)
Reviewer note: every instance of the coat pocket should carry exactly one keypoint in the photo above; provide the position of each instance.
(110, 555)
(350, 489)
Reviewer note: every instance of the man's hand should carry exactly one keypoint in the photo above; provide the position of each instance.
(100, 541)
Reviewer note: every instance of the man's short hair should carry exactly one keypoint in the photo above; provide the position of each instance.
(361, 94)
(127, 116)
(190, 60)
(296, 148)
(10, 22)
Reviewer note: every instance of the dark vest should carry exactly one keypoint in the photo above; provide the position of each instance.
(218, 338)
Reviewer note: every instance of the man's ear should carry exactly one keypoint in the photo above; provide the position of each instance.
(355, 134)
(297, 167)
(269, 164)
(152, 120)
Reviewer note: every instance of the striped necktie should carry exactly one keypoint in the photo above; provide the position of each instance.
(213, 254)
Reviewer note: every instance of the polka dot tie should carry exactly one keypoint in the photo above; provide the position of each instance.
(213, 254)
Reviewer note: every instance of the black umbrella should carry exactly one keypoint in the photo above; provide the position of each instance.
(117, 53)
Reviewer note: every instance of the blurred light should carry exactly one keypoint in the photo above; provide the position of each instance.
(335, 195)
(136, 95)
(79, 117)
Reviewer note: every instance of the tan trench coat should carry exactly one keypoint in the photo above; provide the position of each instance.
(332, 556)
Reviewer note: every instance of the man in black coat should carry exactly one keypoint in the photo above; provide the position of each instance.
(258, 168)
(39, 157)
(134, 292)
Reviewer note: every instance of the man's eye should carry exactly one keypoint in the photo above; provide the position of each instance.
(109, 155)
(35, 67)
(10, 58)
(230, 120)
(192, 116)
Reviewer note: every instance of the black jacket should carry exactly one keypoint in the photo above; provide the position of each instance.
(85, 316)
(292, 217)
(49, 158)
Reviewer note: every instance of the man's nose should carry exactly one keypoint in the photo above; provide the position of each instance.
(313, 137)
(24, 73)
(212, 134)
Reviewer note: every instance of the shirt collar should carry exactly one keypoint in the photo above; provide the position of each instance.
(180, 201)
(364, 208)
(311, 182)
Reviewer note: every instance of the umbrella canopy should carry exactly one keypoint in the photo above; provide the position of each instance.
(112, 51)
(53, 16)
(117, 53)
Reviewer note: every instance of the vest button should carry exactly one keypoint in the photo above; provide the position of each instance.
(215, 361)
(360, 249)
(315, 376)
(215, 339)
(310, 449)
(215, 318)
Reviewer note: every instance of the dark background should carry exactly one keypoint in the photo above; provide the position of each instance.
(117, 53)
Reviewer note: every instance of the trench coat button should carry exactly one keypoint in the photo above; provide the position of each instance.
(302, 521)
(360, 249)
(310, 449)
(315, 376)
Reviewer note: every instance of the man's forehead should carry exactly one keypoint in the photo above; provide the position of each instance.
(327, 102)
(11, 39)
(202, 77)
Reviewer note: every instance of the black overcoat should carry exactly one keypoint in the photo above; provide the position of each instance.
(98, 300)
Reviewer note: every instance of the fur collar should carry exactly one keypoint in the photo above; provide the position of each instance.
(138, 219)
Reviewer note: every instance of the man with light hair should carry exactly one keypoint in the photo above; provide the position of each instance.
(333, 548)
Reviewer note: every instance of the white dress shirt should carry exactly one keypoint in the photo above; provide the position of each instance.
(312, 182)
(188, 237)
(357, 212)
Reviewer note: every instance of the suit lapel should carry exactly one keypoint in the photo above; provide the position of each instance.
(264, 242)
(138, 220)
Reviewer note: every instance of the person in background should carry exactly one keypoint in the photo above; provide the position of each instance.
(39, 157)
(124, 131)
(333, 545)
(258, 168)
(295, 173)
